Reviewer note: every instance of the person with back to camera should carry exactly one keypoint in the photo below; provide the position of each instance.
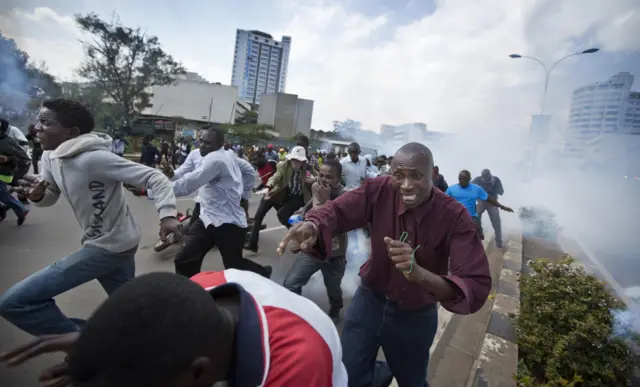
(164, 330)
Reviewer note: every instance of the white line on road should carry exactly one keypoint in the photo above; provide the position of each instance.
(271, 229)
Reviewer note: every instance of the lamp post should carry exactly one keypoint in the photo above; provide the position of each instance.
(547, 73)
(548, 70)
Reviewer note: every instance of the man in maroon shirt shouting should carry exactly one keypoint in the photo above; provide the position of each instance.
(424, 249)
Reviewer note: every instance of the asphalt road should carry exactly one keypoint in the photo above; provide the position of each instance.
(52, 233)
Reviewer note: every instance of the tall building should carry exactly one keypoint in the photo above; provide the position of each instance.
(260, 64)
(604, 122)
(287, 113)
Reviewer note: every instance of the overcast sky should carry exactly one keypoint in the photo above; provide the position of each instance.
(442, 62)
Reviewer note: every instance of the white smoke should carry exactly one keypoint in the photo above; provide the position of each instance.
(358, 251)
(626, 323)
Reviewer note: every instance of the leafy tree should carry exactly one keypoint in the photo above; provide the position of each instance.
(247, 133)
(125, 62)
(249, 117)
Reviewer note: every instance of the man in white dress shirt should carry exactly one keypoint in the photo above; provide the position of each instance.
(222, 221)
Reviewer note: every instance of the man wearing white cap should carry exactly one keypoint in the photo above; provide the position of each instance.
(289, 190)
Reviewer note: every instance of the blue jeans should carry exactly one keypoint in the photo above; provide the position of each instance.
(10, 201)
(371, 322)
(29, 305)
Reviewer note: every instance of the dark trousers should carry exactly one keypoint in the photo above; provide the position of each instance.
(289, 205)
(35, 158)
(406, 336)
(332, 272)
(478, 223)
(229, 238)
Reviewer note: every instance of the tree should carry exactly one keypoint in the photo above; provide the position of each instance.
(125, 62)
(248, 133)
(249, 117)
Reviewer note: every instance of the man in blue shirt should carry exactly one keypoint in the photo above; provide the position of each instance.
(468, 194)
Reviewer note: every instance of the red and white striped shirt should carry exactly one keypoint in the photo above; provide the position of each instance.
(282, 339)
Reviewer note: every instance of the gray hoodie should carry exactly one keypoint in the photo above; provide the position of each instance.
(90, 177)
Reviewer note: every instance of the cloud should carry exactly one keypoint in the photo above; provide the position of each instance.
(449, 69)
(45, 36)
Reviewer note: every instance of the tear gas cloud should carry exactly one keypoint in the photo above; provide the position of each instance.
(599, 208)
(14, 82)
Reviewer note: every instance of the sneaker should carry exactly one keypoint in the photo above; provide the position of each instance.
(499, 245)
(334, 314)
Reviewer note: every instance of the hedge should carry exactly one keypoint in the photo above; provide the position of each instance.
(565, 330)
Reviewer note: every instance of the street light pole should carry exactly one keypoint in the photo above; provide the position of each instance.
(547, 74)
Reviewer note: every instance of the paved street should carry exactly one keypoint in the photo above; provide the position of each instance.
(52, 233)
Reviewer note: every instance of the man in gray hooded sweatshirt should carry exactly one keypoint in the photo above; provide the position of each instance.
(79, 165)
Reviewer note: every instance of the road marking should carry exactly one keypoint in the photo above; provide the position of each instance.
(271, 229)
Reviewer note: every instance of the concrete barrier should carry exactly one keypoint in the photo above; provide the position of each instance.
(498, 360)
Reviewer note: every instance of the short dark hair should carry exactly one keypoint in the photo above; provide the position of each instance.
(71, 114)
(302, 140)
(219, 134)
(149, 331)
(465, 172)
(354, 146)
(334, 165)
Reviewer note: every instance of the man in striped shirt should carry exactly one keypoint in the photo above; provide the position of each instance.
(162, 329)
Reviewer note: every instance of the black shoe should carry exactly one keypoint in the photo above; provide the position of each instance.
(334, 314)
(250, 247)
(499, 245)
(22, 218)
(269, 270)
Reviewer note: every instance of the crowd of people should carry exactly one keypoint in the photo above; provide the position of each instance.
(193, 328)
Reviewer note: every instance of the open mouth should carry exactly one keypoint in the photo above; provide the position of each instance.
(408, 198)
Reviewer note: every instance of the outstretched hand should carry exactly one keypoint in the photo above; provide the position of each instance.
(32, 187)
(301, 236)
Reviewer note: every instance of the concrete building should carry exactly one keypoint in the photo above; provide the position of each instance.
(604, 123)
(195, 99)
(260, 64)
(404, 133)
(288, 114)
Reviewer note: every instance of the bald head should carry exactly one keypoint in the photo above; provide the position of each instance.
(418, 151)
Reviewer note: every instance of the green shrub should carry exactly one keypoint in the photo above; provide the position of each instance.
(564, 330)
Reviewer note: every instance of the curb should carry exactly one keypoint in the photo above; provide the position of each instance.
(498, 359)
